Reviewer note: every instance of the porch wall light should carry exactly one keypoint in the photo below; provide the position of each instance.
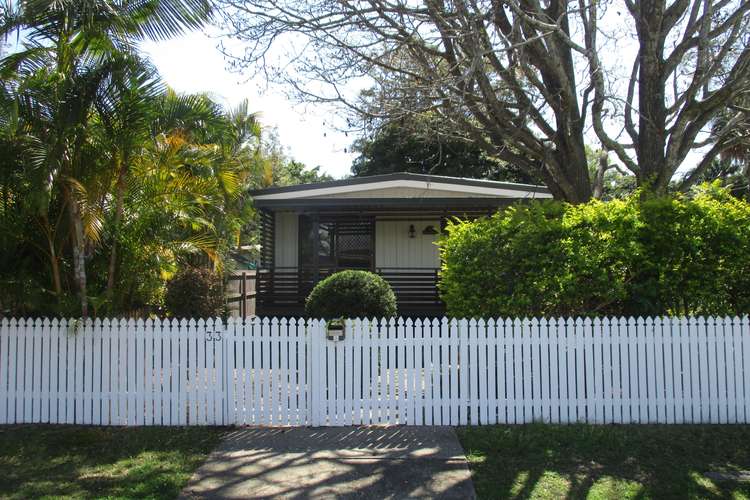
(412, 231)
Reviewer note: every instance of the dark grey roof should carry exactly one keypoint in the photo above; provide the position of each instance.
(405, 176)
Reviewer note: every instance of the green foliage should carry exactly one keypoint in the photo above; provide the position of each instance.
(734, 174)
(278, 169)
(351, 294)
(680, 255)
(195, 293)
(110, 182)
(416, 146)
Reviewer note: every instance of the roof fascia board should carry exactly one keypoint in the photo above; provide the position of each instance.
(401, 176)
(499, 192)
(404, 203)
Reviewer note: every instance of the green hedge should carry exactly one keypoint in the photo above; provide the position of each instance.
(625, 257)
(351, 294)
(195, 293)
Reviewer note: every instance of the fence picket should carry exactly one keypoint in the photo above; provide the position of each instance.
(735, 372)
(598, 370)
(516, 374)
(667, 344)
(97, 378)
(426, 347)
(482, 367)
(390, 381)
(527, 373)
(589, 375)
(340, 380)
(680, 367)
(492, 374)
(369, 368)
(240, 368)
(554, 370)
(723, 367)
(473, 368)
(304, 354)
(463, 361)
(37, 344)
(426, 372)
(570, 369)
(412, 370)
(13, 341)
(744, 335)
(631, 410)
(118, 364)
(652, 374)
(292, 380)
(403, 373)
(162, 403)
(704, 386)
(619, 392)
(542, 341)
(28, 372)
(42, 360)
(357, 367)
(54, 385)
(4, 338)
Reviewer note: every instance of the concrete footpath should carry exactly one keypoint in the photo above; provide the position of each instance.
(335, 462)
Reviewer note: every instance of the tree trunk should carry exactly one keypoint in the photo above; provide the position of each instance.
(569, 180)
(55, 264)
(78, 244)
(652, 128)
(601, 169)
(119, 202)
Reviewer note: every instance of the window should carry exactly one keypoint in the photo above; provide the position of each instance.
(342, 243)
(326, 247)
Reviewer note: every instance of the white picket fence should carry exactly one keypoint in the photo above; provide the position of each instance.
(440, 372)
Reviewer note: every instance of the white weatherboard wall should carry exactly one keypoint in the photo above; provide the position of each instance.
(394, 248)
(286, 241)
(440, 372)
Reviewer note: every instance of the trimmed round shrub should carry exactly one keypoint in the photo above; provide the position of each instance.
(195, 293)
(351, 294)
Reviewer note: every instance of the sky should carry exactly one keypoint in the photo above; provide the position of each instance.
(192, 63)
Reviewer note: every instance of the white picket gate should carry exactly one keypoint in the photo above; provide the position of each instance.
(438, 372)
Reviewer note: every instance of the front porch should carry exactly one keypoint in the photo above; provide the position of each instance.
(387, 224)
(282, 291)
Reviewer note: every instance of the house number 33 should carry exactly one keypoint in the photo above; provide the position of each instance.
(213, 335)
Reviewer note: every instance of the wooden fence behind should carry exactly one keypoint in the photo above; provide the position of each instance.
(439, 372)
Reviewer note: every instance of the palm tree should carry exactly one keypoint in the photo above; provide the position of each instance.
(124, 114)
(71, 49)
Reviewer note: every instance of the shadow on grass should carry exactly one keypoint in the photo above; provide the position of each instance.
(579, 461)
(153, 462)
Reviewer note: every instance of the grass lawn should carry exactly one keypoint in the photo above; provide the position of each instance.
(112, 462)
(580, 461)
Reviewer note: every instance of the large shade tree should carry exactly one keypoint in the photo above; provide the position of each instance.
(526, 80)
(413, 146)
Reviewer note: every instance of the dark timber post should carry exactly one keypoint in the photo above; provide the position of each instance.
(316, 248)
(243, 295)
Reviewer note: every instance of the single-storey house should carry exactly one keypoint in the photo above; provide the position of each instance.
(387, 224)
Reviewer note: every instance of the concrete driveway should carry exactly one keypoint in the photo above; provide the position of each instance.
(335, 462)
